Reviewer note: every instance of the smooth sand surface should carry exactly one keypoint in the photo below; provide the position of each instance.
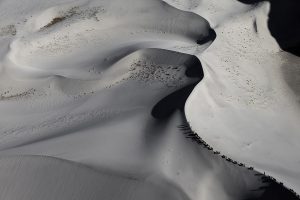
(97, 98)
(249, 94)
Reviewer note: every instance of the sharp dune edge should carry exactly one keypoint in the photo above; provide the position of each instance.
(149, 99)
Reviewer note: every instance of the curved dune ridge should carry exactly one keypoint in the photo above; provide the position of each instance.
(147, 99)
(249, 90)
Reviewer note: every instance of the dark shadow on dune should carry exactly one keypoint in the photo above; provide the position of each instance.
(176, 101)
(211, 37)
(194, 68)
(270, 189)
(284, 23)
(172, 102)
(275, 191)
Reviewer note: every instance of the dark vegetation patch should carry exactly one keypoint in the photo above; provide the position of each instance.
(76, 12)
(55, 21)
(8, 96)
(8, 30)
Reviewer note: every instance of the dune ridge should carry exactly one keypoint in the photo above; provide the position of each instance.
(140, 100)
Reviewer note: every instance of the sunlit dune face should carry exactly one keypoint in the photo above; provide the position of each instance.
(119, 86)
(116, 63)
(82, 42)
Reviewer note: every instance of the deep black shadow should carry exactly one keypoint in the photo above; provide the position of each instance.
(175, 101)
(284, 23)
(276, 191)
(211, 37)
(194, 68)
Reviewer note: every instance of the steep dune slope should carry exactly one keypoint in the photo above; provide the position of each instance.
(249, 106)
(112, 128)
(93, 93)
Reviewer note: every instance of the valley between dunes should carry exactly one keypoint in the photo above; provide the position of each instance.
(149, 99)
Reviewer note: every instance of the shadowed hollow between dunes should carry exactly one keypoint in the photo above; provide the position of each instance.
(145, 99)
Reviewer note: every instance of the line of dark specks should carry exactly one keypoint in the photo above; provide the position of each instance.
(190, 134)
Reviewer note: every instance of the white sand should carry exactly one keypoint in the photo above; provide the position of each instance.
(79, 80)
(247, 106)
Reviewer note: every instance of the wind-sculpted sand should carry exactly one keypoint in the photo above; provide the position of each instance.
(93, 102)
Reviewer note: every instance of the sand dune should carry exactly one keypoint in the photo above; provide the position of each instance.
(49, 178)
(98, 98)
(256, 106)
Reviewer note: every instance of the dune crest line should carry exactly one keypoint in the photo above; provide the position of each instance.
(93, 105)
